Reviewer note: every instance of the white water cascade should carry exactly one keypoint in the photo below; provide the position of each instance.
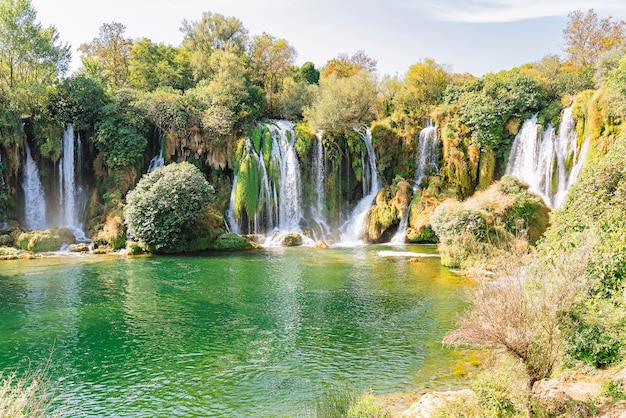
(428, 154)
(34, 198)
(540, 158)
(158, 160)
(72, 199)
(352, 230)
(319, 186)
(279, 199)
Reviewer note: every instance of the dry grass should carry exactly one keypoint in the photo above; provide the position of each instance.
(27, 397)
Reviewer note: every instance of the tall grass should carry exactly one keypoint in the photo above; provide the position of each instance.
(28, 396)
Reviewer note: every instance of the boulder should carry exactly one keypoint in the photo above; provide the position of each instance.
(292, 240)
(79, 248)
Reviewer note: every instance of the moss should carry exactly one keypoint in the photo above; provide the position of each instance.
(233, 242)
(247, 188)
(46, 240)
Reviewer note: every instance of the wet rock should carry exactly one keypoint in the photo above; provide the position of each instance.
(292, 240)
(79, 248)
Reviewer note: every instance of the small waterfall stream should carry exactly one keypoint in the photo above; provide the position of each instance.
(352, 230)
(428, 154)
(319, 186)
(72, 199)
(157, 160)
(34, 198)
(549, 162)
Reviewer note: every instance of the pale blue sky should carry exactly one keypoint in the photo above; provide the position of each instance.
(476, 36)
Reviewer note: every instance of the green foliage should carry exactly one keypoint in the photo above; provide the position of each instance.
(111, 50)
(613, 389)
(247, 188)
(10, 123)
(343, 103)
(232, 242)
(168, 209)
(31, 58)
(121, 133)
(307, 73)
(77, 100)
(47, 240)
(168, 110)
(366, 406)
(213, 32)
(501, 391)
(616, 89)
(502, 96)
(595, 211)
(339, 402)
(157, 65)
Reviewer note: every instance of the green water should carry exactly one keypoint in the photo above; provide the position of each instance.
(234, 335)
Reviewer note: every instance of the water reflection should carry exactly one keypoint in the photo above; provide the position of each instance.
(260, 333)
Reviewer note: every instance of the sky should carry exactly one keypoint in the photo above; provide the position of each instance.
(474, 36)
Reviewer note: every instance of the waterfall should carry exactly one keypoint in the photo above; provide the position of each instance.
(541, 159)
(72, 199)
(428, 153)
(352, 229)
(319, 186)
(231, 222)
(34, 199)
(158, 160)
(290, 208)
(279, 189)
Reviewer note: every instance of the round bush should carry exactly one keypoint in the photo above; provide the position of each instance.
(167, 207)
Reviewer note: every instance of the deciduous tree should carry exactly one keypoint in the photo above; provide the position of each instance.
(587, 36)
(112, 50)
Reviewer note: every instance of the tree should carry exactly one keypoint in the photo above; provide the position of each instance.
(78, 100)
(307, 73)
(158, 65)
(31, 57)
(221, 96)
(270, 61)
(426, 81)
(587, 36)
(343, 103)
(121, 133)
(168, 209)
(112, 50)
(214, 31)
(345, 66)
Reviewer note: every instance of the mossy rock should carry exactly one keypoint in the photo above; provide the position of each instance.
(79, 248)
(424, 234)
(45, 240)
(233, 242)
(8, 253)
(6, 240)
(292, 240)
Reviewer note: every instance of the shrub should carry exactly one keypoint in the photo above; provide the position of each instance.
(169, 210)
(29, 396)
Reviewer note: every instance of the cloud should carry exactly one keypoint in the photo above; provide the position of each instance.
(493, 11)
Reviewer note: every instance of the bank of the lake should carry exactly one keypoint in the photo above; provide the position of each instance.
(262, 333)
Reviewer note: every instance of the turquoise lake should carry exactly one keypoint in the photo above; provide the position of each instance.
(262, 333)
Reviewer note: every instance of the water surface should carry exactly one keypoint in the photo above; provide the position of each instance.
(245, 334)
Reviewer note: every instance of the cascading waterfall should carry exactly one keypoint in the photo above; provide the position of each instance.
(319, 186)
(352, 230)
(541, 158)
(72, 199)
(34, 198)
(428, 153)
(231, 222)
(279, 199)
